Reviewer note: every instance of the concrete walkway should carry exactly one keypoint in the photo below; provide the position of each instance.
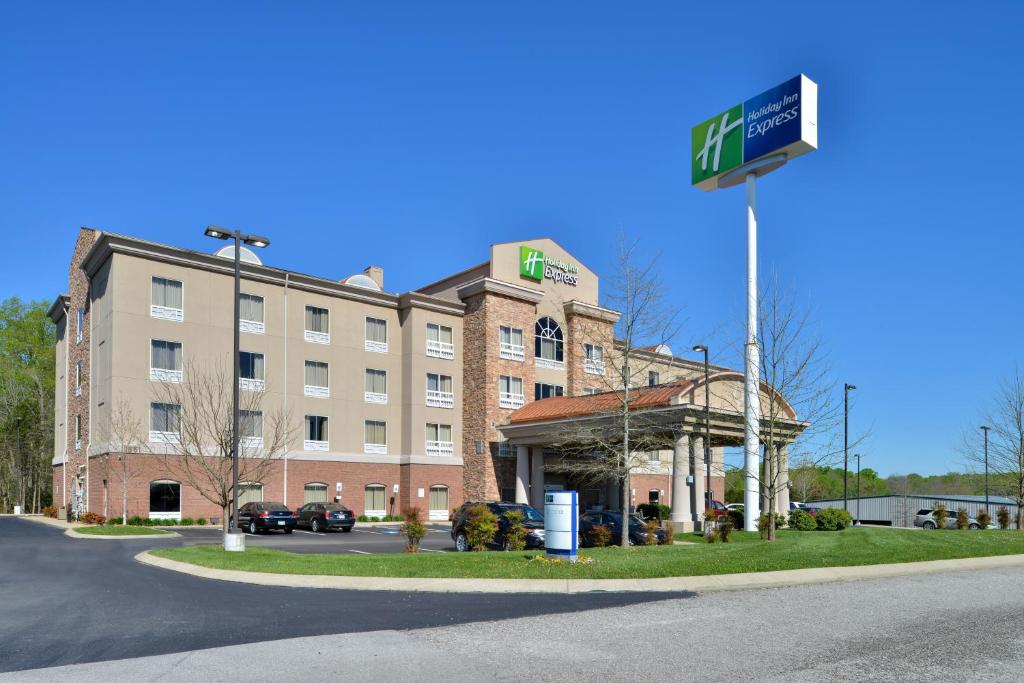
(673, 584)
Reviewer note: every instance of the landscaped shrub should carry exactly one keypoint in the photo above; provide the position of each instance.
(762, 526)
(201, 521)
(50, 511)
(515, 534)
(600, 535)
(963, 520)
(91, 518)
(1003, 517)
(113, 521)
(135, 520)
(801, 520)
(186, 521)
(710, 533)
(413, 530)
(670, 534)
(724, 528)
(652, 527)
(737, 518)
(481, 527)
(832, 519)
(939, 514)
(654, 511)
(984, 519)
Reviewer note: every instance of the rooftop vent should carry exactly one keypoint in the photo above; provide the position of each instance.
(360, 280)
(246, 255)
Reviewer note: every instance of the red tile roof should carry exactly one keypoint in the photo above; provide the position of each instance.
(560, 407)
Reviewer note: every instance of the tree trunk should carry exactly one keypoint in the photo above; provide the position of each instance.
(224, 525)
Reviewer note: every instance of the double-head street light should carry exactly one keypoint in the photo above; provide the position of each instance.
(234, 539)
(701, 348)
(847, 388)
(984, 429)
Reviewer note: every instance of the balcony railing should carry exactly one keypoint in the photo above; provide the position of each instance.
(440, 349)
(440, 399)
(440, 448)
(246, 384)
(164, 437)
(512, 351)
(375, 448)
(374, 397)
(376, 346)
(316, 392)
(549, 364)
(251, 326)
(166, 313)
(308, 445)
(507, 400)
(593, 366)
(251, 442)
(162, 375)
(317, 337)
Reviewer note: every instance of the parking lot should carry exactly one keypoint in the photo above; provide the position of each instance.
(362, 540)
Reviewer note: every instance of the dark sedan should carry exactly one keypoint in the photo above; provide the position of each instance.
(257, 517)
(325, 516)
(533, 524)
(613, 521)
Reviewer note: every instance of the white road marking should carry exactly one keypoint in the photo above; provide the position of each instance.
(361, 552)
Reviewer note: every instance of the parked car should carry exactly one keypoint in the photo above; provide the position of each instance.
(325, 516)
(533, 522)
(719, 507)
(926, 520)
(257, 517)
(812, 511)
(613, 520)
(734, 506)
(795, 505)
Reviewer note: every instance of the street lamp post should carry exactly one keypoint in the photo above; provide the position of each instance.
(846, 442)
(234, 540)
(984, 429)
(707, 426)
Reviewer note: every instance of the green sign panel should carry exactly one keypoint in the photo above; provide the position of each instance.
(531, 263)
(718, 144)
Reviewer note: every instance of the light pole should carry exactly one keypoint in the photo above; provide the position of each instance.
(846, 442)
(857, 521)
(707, 425)
(234, 539)
(984, 429)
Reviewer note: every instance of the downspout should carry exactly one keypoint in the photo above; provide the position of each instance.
(88, 392)
(286, 276)
(67, 368)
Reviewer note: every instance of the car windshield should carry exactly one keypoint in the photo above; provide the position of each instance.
(334, 507)
(275, 507)
(529, 514)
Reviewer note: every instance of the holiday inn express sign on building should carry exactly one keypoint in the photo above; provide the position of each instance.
(535, 266)
(781, 120)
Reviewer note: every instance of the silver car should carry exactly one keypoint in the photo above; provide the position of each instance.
(926, 520)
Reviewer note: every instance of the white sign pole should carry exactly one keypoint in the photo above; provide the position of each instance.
(751, 376)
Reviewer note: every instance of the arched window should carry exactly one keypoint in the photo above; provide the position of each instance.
(249, 492)
(439, 502)
(164, 499)
(314, 492)
(374, 504)
(548, 340)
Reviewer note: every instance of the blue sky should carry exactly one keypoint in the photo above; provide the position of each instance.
(414, 135)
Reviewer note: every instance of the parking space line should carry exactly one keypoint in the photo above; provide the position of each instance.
(361, 552)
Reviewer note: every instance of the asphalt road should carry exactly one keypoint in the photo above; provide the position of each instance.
(65, 601)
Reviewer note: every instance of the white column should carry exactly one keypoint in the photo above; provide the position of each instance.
(682, 514)
(751, 377)
(784, 480)
(699, 478)
(522, 474)
(537, 479)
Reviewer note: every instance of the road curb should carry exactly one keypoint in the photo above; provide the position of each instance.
(672, 584)
(106, 537)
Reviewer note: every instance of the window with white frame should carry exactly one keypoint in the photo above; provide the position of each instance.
(548, 349)
(316, 382)
(80, 326)
(374, 501)
(653, 378)
(439, 391)
(166, 300)
(249, 492)
(250, 314)
(78, 378)
(314, 492)
(252, 371)
(506, 449)
(510, 345)
(316, 434)
(510, 392)
(164, 422)
(250, 428)
(541, 390)
(376, 335)
(440, 342)
(318, 325)
(78, 431)
(590, 391)
(439, 510)
(375, 437)
(593, 359)
(376, 389)
(439, 439)
(165, 361)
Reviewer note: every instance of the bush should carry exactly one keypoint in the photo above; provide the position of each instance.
(801, 520)
(652, 527)
(113, 521)
(135, 520)
(91, 518)
(515, 534)
(737, 518)
(413, 530)
(724, 528)
(201, 521)
(670, 534)
(711, 534)
(50, 511)
(831, 519)
(984, 519)
(654, 511)
(186, 521)
(600, 535)
(481, 527)
(1003, 517)
(963, 520)
(939, 514)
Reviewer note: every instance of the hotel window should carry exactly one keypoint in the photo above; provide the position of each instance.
(374, 504)
(249, 492)
(593, 359)
(506, 449)
(510, 392)
(250, 428)
(252, 371)
(166, 300)
(375, 437)
(439, 391)
(164, 499)
(78, 431)
(79, 326)
(165, 361)
(250, 313)
(376, 390)
(590, 391)
(511, 343)
(316, 433)
(547, 346)
(376, 335)
(315, 383)
(439, 341)
(318, 325)
(546, 391)
(164, 422)
(653, 378)
(439, 509)
(439, 439)
(78, 378)
(315, 492)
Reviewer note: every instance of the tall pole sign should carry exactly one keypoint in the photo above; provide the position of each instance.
(738, 145)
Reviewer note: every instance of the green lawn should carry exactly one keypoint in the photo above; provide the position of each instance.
(118, 530)
(792, 550)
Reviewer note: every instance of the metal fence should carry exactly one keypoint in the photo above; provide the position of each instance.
(900, 510)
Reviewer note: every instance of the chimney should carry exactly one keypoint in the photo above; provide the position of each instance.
(375, 273)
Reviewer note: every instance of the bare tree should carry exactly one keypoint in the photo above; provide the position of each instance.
(201, 451)
(1005, 416)
(125, 437)
(803, 474)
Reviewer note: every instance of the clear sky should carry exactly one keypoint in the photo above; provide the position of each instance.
(413, 135)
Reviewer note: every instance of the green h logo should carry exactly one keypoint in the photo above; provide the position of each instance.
(717, 144)
(531, 263)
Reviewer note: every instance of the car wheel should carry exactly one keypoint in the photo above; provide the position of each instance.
(974, 526)
(928, 525)
(252, 528)
(347, 529)
(288, 531)
(314, 526)
(461, 542)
